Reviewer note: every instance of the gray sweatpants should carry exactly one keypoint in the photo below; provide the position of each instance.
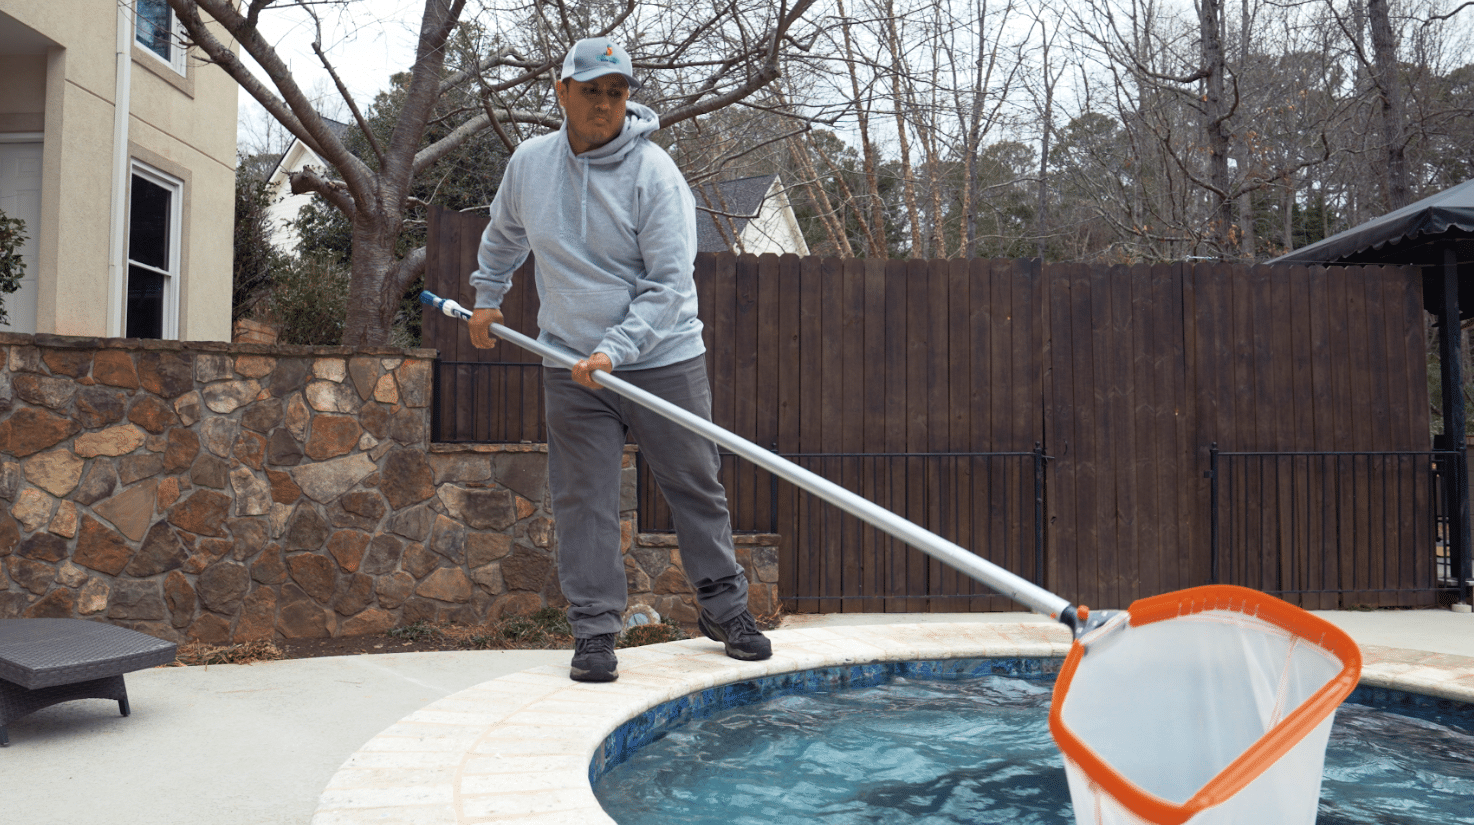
(586, 436)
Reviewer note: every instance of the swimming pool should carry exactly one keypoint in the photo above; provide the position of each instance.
(906, 742)
(517, 749)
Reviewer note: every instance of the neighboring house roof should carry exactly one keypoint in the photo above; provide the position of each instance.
(286, 206)
(746, 215)
(295, 156)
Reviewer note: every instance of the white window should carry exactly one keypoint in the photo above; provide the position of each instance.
(154, 203)
(157, 30)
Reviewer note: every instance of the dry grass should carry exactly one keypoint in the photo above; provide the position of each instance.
(652, 634)
(199, 653)
(547, 629)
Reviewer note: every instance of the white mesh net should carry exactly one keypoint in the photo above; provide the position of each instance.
(1211, 705)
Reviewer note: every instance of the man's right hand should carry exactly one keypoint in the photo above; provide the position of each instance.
(480, 323)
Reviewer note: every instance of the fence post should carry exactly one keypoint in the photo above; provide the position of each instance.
(436, 410)
(1212, 475)
(1450, 351)
(773, 495)
(1039, 461)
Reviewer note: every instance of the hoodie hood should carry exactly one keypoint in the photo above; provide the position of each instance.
(639, 121)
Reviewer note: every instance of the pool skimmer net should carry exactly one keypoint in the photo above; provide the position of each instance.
(1211, 705)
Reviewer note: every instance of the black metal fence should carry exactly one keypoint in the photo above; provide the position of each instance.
(1323, 529)
(992, 504)
(462, 393)
(1334, 529)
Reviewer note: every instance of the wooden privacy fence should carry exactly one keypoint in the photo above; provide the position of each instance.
(913, 381)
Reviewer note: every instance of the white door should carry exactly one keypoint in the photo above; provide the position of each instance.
(20, 197)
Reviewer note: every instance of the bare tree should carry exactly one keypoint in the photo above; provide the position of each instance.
(1381, 68)
(1042, 88)
(717, 57)
(890, 34)
(979, 55)
(863, 101)
(1178, 81)
(1389, 91)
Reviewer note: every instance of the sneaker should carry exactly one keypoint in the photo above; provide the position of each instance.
(740, 635)
(593, 659)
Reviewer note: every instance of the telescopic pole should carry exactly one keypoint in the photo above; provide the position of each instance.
(1009, 584)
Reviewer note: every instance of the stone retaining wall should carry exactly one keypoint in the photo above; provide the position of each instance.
(231, 492)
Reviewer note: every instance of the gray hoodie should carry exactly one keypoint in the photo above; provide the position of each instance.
(613, 233)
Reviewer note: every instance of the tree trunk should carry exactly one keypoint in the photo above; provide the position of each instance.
(814, 186)
(368, 323)
(1041, 223)
(1289, 214)
(1245, 201)
(899, 98)
(876, 235)
(1393, 107)
(1247, 240)
(1215, 115)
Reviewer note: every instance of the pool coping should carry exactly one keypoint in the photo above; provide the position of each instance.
(517, 749)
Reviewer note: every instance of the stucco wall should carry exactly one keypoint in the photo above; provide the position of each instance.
(23, 94)
(183, 125)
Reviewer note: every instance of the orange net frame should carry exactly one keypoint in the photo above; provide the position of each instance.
(1209, 705)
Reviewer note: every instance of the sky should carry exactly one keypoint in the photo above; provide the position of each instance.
(367, 41)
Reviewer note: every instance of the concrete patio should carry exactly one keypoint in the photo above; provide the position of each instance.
(275, 742)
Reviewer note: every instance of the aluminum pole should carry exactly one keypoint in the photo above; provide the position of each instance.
(1009, 584)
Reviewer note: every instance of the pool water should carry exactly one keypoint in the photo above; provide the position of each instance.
(1393, 769)
(976, 751)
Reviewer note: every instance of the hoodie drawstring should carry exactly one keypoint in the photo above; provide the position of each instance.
(640, 122)
(584, 202)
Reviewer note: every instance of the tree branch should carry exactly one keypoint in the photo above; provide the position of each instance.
(307, 179)
(440, 148)
(406, 270)
(769, 71)
(496, 126)
(422, 92)
(292, 110)
(373, 140)
(753, 148)
(1437, 17)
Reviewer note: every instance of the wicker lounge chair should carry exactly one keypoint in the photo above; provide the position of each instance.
(46, 661)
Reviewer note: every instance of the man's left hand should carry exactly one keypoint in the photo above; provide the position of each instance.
(583, 371)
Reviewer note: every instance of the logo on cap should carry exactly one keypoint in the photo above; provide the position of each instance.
(608, 56)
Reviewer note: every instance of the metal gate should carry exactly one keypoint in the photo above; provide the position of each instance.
(1334, 529)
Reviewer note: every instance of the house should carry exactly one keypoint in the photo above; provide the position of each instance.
(285, 206)
(749, 215)
(117, 149)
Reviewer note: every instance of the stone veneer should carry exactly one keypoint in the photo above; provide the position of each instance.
(234, 492)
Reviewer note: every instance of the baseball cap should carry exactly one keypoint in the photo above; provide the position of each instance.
(595, 57)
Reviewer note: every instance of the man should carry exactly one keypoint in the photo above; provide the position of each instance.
(612, 224)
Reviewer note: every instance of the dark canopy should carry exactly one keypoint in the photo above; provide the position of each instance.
(1419, 234)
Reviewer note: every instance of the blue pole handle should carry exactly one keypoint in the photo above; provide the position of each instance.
(445, 305)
